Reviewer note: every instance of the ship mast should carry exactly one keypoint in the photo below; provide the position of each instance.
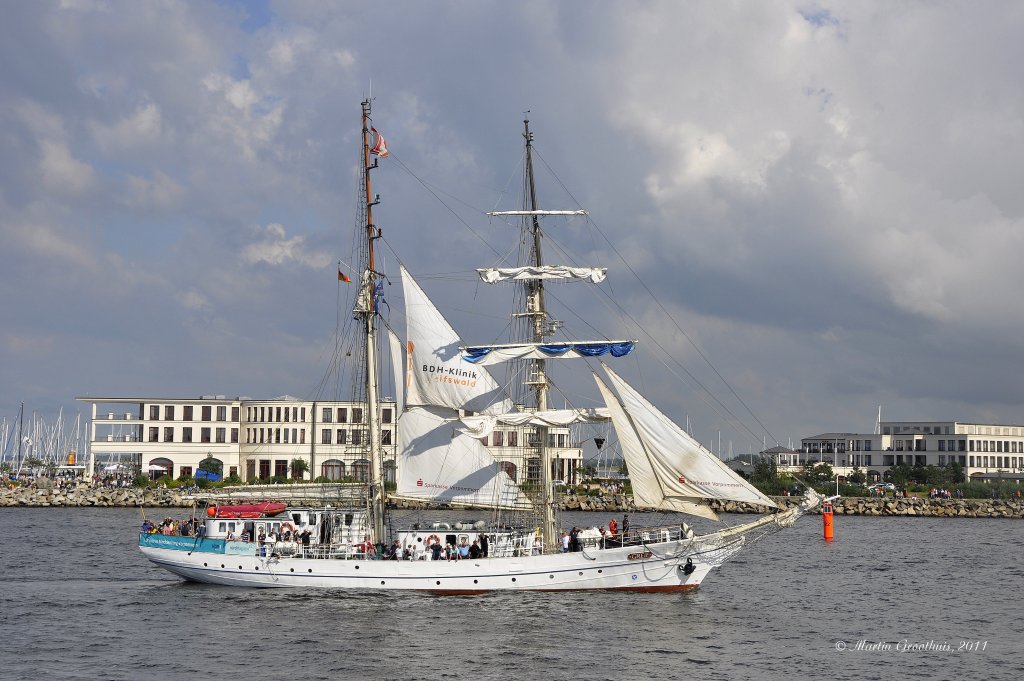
(365, 311)
(538, 377)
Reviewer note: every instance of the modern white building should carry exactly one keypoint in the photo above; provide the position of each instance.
(259, 439)
(980, 448)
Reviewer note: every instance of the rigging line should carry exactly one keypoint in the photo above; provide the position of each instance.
(441, 201)
(660, 306)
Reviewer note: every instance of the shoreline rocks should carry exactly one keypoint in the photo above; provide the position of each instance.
(612, 503)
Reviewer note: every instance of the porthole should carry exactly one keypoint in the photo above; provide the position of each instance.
(257, 569)
(382, 582)
(310, 570)
(438, 582)
(600, 571)
(551, 576)
(581, 574)
(204, 565)
(357, 567)
(477, 581)
(293, 570)
(239, 567)
(222, 564)
(513, 579)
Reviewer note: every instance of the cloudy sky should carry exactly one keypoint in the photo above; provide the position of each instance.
(819, 195)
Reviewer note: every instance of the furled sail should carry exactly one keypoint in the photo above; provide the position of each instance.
(682, 466)
(482, 425)
(537, 212)
(645, 473)
(493, 354)
(493, 275)
(437, 374)
(438, 463)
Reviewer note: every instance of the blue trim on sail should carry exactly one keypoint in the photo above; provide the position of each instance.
(559, 349)
(475, 354)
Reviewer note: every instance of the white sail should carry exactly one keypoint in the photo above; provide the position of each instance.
(438, 463)
(482, 425)
(398, 366)
(493, 275)
(645, 473)
(437, 374)
(484, 355)
(683, 467)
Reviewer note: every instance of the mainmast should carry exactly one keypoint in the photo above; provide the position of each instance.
(539, 317)
(365, 311)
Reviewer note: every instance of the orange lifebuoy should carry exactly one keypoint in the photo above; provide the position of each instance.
(432, 539)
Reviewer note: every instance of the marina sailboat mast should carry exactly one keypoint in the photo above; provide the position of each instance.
(365, 311)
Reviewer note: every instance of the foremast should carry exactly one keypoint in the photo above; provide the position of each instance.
(365, 311)
(539, 317)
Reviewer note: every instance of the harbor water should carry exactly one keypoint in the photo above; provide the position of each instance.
(890, 598)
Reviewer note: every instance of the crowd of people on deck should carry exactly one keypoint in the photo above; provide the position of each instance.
(432, 549)
(183, 527)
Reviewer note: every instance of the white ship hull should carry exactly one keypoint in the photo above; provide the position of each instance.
(650, 567)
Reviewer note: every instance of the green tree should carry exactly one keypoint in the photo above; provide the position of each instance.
(299, 468)
(766, 469)
(956, 472)
(211, 465)
(857, 476)
(899, 474)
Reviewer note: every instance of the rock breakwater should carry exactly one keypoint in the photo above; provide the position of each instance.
(610, 503)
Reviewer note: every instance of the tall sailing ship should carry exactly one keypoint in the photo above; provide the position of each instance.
(449, 403)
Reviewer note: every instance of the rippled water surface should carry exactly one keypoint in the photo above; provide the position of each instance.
(78, 601)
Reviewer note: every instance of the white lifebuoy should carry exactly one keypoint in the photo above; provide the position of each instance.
(432, 539)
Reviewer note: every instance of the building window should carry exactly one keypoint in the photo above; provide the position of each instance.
(342, 435)
(207, 411)
(342, 415)
(186, 434)
(325, 436)
(204, 435)
(234, 413)
(302, 436)
(169, 413)
(222, 412)
(234, 435)
(154, 434)
(221, 434)
(385, 437)
(303, 413)
(498, 439)
(287, 415)
(357, 437)
(154, 412)
(169, 434)
(333, 470)
(286, 436)
(185, 472)
(232, 471)
(508, 466)
(385, 415)
(281, 468)
(188, 412)
(361, 470)
(357, 414)
(328, 415)
(264, 469)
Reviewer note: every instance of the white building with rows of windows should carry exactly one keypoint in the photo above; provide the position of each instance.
(986, 451)
(259, 439)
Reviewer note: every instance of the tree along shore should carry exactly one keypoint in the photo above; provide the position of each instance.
(611, 503)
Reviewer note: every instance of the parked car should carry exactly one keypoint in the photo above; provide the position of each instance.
(883, 485)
